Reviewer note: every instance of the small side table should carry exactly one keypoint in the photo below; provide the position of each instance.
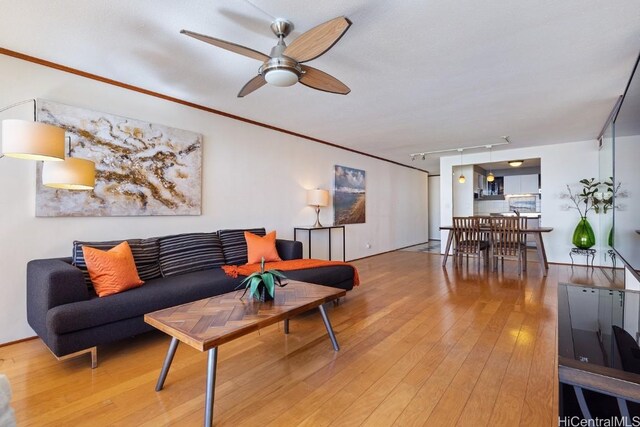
(612, 255)
(327, 227)
(586, 252)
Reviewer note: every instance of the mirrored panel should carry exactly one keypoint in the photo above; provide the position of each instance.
(626, 173)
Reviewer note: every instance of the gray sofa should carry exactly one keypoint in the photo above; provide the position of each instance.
(71, 319)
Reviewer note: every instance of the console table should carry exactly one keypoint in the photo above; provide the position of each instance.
(586, 252)
(327, 227)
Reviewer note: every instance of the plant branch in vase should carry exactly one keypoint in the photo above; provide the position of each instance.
(584, 201)
(608, 200)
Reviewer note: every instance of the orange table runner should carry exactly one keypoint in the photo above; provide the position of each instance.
(294, 264)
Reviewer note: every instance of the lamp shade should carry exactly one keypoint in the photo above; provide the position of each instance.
(24, 139)
(318, 197)
(72, 174)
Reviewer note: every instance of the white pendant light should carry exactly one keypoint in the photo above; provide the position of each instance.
(461, 178)
(490, 177)
(24, 139)
(72, 174)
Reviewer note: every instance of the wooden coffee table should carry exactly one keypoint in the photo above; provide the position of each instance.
(207, 323)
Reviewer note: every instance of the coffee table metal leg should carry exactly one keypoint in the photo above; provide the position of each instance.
(212, 360)
(327, 325)
(286, 326)
(167, 363)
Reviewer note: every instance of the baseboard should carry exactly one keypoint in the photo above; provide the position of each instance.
(585, 265)
(17, 341)
(386, 252)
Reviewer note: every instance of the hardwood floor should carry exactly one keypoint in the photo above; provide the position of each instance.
(420, 345)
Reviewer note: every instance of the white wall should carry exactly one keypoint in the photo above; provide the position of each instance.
(462, 193)
(251, 177)
(630, 281)
(434, 207)
(561, 164)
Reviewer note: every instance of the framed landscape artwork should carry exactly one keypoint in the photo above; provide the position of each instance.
(349, 196)
(141, 168)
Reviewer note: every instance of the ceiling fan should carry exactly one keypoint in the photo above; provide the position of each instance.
(284, 66)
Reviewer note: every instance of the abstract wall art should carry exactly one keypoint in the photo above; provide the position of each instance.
(141, 168)
(349, 196)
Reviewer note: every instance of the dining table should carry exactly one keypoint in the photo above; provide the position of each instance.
(536, 232)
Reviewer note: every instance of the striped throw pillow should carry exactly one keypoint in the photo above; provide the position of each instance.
(234, 244)
(184, 253)
(146, 253)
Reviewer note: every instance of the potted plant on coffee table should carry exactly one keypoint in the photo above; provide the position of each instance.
(262, 284)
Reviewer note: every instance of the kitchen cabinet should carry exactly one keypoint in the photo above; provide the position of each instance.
(512, 184)
(529, 184)
(521, 184)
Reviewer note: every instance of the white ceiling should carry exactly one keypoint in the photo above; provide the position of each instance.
(423, 75)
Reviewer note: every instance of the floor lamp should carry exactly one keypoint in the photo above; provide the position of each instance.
(33, 140)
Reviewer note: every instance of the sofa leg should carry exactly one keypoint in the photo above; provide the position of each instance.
(93, 351)
(94, 357)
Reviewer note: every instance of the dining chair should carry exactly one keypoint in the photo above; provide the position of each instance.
(506, 242)
(468, 240)
(523, 223)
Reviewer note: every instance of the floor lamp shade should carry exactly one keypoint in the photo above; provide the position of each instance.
(72, 174)
(24, 139)
(318, 197)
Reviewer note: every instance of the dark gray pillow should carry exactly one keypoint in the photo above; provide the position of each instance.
(234, 244)
(146, 253)
(184, 253)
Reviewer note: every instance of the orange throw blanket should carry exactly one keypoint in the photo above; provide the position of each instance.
(294, 264)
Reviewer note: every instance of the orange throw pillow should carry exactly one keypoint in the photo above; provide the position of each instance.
(258, 247)
(111, 271)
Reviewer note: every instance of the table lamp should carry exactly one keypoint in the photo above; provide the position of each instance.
(317, 198)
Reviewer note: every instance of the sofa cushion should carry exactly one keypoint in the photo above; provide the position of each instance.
(186, 253)
(338, 276)
(145, 254)
(234, 244)
(156, 294)
(259, 248)
(112, 271)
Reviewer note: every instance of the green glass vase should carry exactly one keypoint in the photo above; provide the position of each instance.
(583, 235)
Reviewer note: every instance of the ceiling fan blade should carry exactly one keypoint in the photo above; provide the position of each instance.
(255, 83)
(320, 80)
(317, 40)
(236, 48)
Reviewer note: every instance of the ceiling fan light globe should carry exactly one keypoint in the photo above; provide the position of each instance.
(281, 77)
